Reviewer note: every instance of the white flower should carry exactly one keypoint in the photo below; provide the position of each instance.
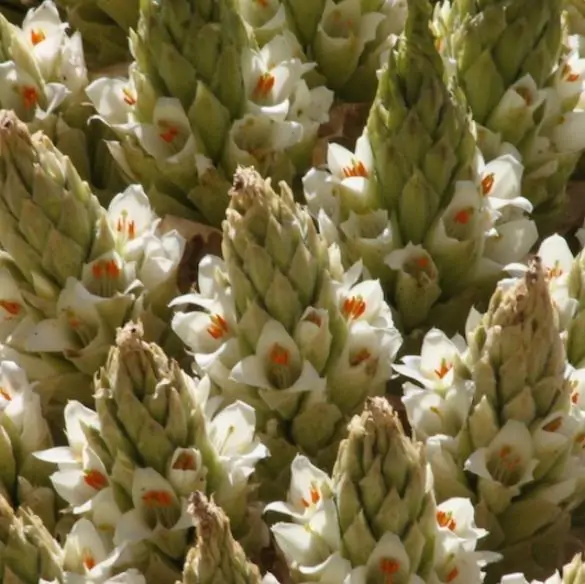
(114, 99)
(168, 138)
(162, 255)
(106, 275)
(76, 416)
(309, 488)
(505, 465)
(259, 139)
(131, 218)
(22, 406)
(457, 516)
(277, 369)
(72, 69)
(21, 93)
(363, 301)
(232, 432)
(569, 133)
(435, 367)
(156, 509)
(44, 33)
(456, 564)
(186, 471)
(390, 561)
(311, 543)
(80, 484)
(86, 557)
(364, 365)
(310, 106)
(270, 77)
(432, 412)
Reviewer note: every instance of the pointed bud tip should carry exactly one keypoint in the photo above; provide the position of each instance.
(11, 126)
(131, 334)
(249, 187)
(208, 516)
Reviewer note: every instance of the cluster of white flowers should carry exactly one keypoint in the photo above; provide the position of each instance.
(312, 541)
(47, 64)
(88, 309)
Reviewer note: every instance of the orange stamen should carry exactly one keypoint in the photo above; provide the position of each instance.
(422, 262)
(88, 561)
(157, 499)
(97, 270)
(30, 96)
(443, 369)
(12, 308)
(580, 438)
(389, 568)
(4, 394)
(555, 272)
(357, 168)
(359, 357)
(218, 327)
(169, 134)
(128, 96)
(553, 425)
(353, 307)
(487, 182)
(569, 74)
(575, 397)
(446, 520)
(279, 355)
(452, 575)
(185, 461)
(37, 36)
(462, 216)
(264, 85)
(95, 479)
(112, 269)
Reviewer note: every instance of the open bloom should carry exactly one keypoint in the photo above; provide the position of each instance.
(309, 488)
(277, 369)
(505, 465)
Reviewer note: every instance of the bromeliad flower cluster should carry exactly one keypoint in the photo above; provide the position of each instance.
(378, 173)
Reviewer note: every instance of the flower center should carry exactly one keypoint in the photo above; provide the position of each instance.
(389, 567)
(580, 439)
(168, 132)
(359, 357)
(463, 216)
(525, 94)
(12, 308)
(185, 461)
(88, 560)
(218, 327)
(157, 499)
(30, 96)
(506, 466)
(353, 307)
(487, 183)
(264, 85)
(37, 36)
(128, 96)
(446, 520)
(314, 318)
(575, 397)
(95, 479)
(123, 226)
(313, 498)
(280, 373)
(338, 26)
(419, 267)
(443, 369)
(452, 575)
(5, 395)
(108, 269)
(553, 425)
(568, 74)
(356, 168)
